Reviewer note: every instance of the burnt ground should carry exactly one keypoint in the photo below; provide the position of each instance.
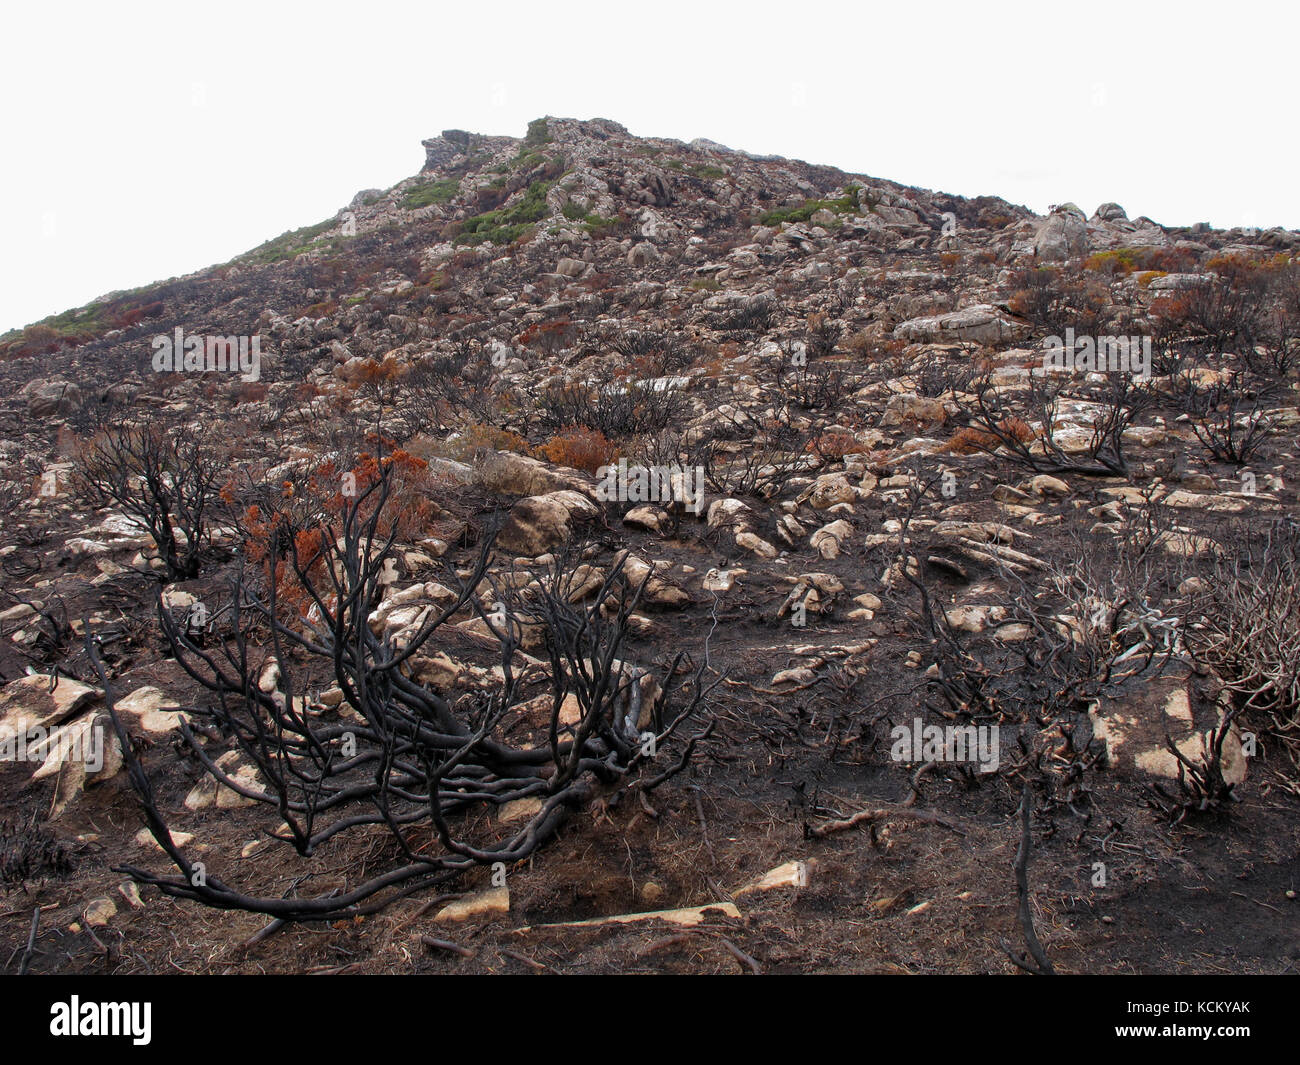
(1209, 899)
(898, 896)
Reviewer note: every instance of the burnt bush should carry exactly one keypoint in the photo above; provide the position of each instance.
(817, 386)
(753, 316)
(1244, 624)
(165, 479)
(1228, 416)
(409, 758)
(996, 427)
(29, 851)
(617, 408)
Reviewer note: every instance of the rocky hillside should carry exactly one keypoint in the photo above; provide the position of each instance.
(594, 535)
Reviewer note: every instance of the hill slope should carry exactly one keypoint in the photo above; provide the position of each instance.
(663, 517)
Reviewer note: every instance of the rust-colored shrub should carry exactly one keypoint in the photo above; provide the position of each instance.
(1018, 428)
(598, 282)
(250, 392)
(835, 445)
(549, 338)
(34, 340)
(286, 531)
(580, 449)
(124, 316)
(873, 348)
(1170, 260)
(970, 440)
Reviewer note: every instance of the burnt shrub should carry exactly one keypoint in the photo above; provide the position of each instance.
(616, 408)
(167, 481)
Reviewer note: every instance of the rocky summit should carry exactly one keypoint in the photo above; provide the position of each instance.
(599, 553)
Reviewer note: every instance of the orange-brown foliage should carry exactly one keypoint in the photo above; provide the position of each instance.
(835, 445)
(971, 439)
(580, 449)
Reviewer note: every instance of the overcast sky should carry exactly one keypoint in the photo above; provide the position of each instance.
(147, 140)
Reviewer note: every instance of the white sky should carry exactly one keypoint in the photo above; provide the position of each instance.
(147, 140)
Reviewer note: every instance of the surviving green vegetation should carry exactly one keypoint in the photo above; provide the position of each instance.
(428, 193)
(507, 224)
(846, 204)
(595, 224)
(82, 324)
(538, 133)
(703, 171)
(289, 244)
(530, 154)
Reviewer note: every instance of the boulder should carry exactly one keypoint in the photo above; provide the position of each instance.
(643, 254)
(829, 490)
(729, 513)
(980, 324)
(39, 701)
(508, 473)
(649, 518)
(919, 410)
(539, 523)
(756, 545)
(1133, 726)
(52, 397)
(1062, 235)
(100, 911)
(829, 539)
(211, 792)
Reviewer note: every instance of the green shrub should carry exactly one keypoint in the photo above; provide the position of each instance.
(599, 226)
(1119, 261)
(846, 204)
(507, 224)
(538, 133)
(68, 329)
(595, 224)
(289, 244)
(430, 192)
(703, 171)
